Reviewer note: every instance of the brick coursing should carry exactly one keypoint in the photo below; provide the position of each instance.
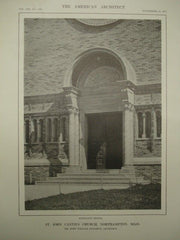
(51, 45)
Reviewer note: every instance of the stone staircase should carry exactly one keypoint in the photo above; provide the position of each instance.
(90, 180)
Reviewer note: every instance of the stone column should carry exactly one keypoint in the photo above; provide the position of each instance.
(153, 123)
(52, 129)
(38, 130)
(82, 141)
(136, 127)
(55, 129)
(72, 132)
(30, 138)
(62, 156)
(76, 140)
(50, 132)
(24, 131)
(60, 130)
(144, 125)
(46, 129)
(30, 129)
(153, 128)
(128, 133)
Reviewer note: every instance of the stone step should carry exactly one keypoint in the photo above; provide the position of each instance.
(108, 182)
(126, 177)
(68, 183)
(94, 179)
(61, 175)
(86, 182)
(90, 181)
(122, 176)
(82, 178)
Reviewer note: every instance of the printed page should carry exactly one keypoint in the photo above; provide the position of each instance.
(89, 120)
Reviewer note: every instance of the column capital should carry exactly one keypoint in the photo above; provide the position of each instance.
(71, 95)
(128, 106)
(144, 114)
(38, 120)
(73, 110)
(127, 95)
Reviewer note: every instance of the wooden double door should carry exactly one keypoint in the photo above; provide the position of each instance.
(104, 141)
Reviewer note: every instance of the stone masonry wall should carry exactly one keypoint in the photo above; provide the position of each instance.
(147, 148)
(151, 173)
(35, 173)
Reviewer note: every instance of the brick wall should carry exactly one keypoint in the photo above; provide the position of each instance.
(51, 45)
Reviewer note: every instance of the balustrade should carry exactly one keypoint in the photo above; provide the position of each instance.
(49, 129)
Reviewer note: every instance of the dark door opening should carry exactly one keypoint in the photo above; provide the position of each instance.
(104, 141)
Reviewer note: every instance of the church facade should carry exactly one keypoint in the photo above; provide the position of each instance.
(92, 97)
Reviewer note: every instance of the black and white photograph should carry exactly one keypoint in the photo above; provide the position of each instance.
(92, 114)
(89, 120)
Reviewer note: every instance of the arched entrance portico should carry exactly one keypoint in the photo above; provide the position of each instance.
(100, 101)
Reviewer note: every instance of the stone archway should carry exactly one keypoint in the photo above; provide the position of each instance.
(101, 62)
(79, 62)
(99, 84)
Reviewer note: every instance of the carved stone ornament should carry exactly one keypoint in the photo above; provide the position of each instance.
(128, 106)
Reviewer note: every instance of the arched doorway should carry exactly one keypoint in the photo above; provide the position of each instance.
(99, 79)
